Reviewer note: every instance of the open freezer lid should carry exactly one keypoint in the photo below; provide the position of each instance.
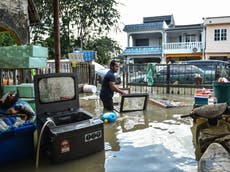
(56, 92)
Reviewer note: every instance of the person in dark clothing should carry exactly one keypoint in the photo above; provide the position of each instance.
(108, 86)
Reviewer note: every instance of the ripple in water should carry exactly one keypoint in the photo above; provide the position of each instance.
(162, 147)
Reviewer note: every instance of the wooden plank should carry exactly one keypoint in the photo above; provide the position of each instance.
(157, 103)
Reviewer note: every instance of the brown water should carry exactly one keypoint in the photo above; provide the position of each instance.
(154, 140)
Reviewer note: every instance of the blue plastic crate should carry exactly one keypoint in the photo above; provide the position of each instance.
(88, 55)
(17, 144)
(200, 100)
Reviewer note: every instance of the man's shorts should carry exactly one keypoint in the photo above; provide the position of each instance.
(107, 103)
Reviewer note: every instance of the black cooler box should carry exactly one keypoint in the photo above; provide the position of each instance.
(69, 132)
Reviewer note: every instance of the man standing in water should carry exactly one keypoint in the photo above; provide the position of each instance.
(108, 86)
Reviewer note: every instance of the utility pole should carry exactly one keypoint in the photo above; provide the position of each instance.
(57, 48)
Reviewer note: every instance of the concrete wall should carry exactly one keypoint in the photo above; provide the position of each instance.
(14, 18)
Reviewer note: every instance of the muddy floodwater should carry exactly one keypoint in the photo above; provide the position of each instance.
(154, 140)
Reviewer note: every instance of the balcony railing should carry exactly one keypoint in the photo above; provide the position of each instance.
(141, 50)
(182, 47)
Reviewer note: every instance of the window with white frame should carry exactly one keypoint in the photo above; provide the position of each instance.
(190, 38)
(220, 34)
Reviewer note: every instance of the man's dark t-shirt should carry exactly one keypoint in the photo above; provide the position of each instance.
(106, 91)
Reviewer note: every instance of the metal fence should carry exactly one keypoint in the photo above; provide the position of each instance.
(171, 78)
(152, 78)
(85, 72)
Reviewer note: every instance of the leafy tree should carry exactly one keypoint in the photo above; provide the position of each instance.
(6, 39)
(80, 21)
(105, 47)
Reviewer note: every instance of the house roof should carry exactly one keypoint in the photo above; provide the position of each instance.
(186, 27)
(167, 18)
(143, 27)
(151, 23)
(216, 20)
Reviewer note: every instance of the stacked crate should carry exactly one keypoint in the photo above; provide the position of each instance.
(25, 56)
(18, 143)
(204, 97)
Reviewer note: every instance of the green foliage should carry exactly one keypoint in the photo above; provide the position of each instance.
(6, 39)
(105, 47)
(80, 21)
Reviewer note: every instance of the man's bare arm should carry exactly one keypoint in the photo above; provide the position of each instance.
(113, 86)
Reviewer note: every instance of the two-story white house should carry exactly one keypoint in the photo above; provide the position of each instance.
(159, 40)
(183, 42)
(145, 41)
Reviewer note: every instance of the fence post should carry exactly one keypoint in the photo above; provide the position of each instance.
(92, 78)
(123, 73)
(168, 79)
(1, 82)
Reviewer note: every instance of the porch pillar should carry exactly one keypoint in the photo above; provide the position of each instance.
(164, 41)
(128, 41)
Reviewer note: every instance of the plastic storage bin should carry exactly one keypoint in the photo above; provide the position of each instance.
(17, 144)
(25, 56)
(201, 100)
(26, 90)
(8, 88)
(222, 92)
(88, 55)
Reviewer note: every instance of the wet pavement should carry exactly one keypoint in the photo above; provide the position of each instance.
(154, 140)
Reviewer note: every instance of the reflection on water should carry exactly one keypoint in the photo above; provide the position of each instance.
(152, 149)
(154, 140)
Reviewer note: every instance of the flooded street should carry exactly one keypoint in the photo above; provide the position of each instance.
(154, 140)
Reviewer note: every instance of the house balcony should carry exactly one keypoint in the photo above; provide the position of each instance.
(142, 51)
(182, 47)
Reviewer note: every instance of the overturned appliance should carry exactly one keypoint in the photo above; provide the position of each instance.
(69, 132)
(132, 102)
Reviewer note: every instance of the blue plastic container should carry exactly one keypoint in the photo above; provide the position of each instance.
(109, 117)
(17, 144)
(201, 100)
(88, 55)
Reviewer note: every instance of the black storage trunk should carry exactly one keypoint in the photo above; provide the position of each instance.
(71, 132)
